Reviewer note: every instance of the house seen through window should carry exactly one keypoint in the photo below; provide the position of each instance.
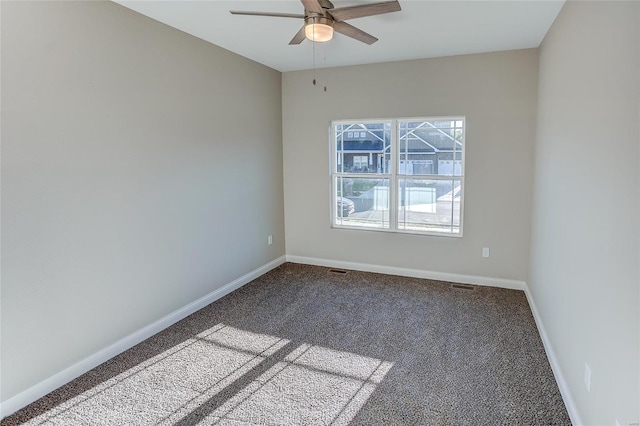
(403, 175)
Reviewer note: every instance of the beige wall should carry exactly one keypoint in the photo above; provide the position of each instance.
(584, 254)
(141, 170)
(497, 94)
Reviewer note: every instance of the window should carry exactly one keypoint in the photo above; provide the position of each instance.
(360, 162)
(404, 175)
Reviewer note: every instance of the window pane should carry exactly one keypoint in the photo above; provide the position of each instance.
(430, 147)
(363, 147)
(429, 205)
(362, 202)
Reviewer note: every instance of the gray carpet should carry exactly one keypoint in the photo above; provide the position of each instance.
(302, 345)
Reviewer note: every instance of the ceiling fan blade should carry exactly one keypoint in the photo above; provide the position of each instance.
(353, 32)
(312, 6)
(299, 37)
(351, 12)
(279, 15)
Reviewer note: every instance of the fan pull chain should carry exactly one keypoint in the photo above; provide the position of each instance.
(314, 55)
(324, 51)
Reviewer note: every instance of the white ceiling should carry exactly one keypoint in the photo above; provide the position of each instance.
(422, 29)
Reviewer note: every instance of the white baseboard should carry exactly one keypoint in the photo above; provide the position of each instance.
(39, 390)
(407, 272)
(567, 397)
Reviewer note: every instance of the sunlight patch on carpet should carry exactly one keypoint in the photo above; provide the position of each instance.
(225, 375)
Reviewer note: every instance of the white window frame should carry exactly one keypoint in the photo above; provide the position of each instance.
(393, 176)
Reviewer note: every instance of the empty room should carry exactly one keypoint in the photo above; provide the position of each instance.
(320, 212)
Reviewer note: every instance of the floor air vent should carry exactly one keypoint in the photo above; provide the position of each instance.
(463, 286)
(337, 271)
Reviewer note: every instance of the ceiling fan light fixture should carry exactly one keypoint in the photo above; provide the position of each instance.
(318, 28)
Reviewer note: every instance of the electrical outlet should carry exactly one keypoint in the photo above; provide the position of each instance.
(270, 239)
(587, 377)
(485, 251)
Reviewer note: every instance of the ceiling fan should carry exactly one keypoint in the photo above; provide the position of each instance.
(321, 18)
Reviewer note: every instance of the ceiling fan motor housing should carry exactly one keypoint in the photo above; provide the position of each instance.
(312, 20)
